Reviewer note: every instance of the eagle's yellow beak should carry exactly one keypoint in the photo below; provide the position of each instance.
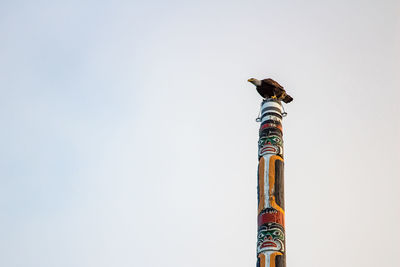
(250, 80)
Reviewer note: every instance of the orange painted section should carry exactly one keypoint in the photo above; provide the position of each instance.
(262, 260)
(261, 173)
(271, 179)
(272, 259)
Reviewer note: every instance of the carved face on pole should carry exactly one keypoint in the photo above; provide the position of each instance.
(270, 144)
(271, 238)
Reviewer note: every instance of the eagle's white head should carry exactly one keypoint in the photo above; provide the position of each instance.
(254, 81)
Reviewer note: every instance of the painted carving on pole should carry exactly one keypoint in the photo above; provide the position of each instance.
(270, 144)
(271, 214)
(271, 237)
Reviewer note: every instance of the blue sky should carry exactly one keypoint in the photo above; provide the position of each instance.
(129, 136)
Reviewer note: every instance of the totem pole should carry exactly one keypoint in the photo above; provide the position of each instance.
(271, 215)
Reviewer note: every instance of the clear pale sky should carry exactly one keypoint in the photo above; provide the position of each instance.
(129, 136)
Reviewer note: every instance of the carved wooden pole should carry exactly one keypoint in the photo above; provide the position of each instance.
(271, 215)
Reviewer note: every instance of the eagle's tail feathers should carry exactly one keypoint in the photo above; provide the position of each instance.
(287, 99)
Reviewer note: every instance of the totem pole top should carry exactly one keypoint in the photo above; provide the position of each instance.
(270, 104)
(271, 116)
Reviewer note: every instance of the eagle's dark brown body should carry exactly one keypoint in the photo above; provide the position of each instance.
(271, 89)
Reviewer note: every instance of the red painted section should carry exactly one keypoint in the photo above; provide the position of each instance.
(271, 216)
(271, 125)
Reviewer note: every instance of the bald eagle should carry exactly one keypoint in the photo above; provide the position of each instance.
(269, 88)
